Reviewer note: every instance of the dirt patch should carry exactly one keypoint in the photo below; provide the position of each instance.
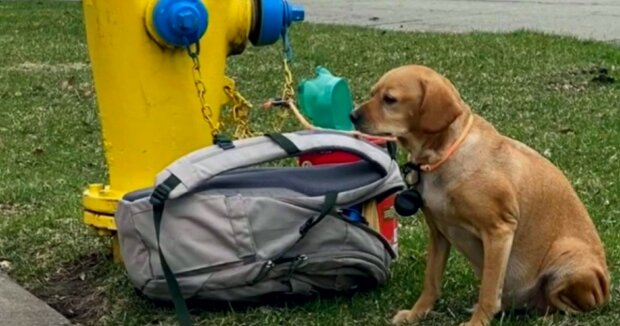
(46, 67)
(578, 80)
(75, 290)
(13, 209)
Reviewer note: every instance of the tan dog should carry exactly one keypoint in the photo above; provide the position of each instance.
(510, 211)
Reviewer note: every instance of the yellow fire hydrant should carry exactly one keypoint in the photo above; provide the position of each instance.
(159, 72)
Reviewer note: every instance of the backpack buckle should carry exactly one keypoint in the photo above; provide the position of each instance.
(223, 142)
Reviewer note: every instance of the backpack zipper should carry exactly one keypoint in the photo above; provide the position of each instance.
(205, 270)
(271, 264)
(284, 260)
(266, 268)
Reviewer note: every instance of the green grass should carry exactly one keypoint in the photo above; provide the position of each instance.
(529, 85)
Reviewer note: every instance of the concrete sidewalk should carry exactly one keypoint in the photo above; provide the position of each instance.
(20, 308)
(586, 19)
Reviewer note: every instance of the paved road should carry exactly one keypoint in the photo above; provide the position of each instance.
(588, 19)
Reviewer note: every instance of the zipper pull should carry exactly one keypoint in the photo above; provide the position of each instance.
(267, 267)
(299, 259)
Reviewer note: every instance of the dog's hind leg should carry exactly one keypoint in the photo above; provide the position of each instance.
(580, 290)
(578, 283)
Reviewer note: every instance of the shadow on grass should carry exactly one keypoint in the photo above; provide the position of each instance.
(276, 301)
(77, 289)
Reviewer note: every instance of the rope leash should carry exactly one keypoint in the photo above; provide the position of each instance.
(290, 104)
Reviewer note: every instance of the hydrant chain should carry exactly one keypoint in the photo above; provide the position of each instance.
(288, 49)
(240, 113)
(201, 91)
(288, 92)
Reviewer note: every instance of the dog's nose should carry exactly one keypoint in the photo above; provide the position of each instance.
(354, 117)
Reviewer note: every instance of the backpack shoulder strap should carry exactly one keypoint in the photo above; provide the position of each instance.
(158, 200)
(202, 165)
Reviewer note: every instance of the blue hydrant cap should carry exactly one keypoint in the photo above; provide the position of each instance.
(275, 16)
(180, 22)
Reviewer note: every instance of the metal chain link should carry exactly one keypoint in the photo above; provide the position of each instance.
(288, 89)
(201, 90)
(240, 113)
(241, 108)
(288, 92)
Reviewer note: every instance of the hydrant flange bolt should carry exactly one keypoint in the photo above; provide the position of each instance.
(180, 23)
(293, 13)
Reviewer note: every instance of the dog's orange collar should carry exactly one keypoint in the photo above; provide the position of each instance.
(452, 149)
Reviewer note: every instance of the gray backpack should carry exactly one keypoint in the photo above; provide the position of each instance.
(216, 227)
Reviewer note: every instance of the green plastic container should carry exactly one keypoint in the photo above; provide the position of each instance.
(326, 100)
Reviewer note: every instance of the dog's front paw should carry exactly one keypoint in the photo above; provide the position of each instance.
(404, 317)
(472, 323)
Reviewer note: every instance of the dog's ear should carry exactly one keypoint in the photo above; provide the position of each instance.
(440, 106)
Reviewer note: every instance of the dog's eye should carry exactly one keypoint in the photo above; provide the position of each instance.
(389, 99)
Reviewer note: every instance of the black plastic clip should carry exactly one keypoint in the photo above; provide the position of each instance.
(223, 142)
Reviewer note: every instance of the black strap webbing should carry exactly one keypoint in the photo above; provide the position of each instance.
(158, 200)
(392, 149)
(328, 206)
(287, 145)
